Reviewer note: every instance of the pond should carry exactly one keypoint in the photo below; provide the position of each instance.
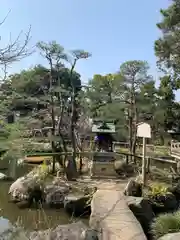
(29, 219)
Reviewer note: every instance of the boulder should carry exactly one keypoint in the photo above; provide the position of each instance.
(4, 177)
(26, 190)
(19, 189)
(55, 195)
(71, 231)
(77, 205)
(89, 190)
(89, 234)
(170, 236)
(133, 188)
(164, 203)
(142, 210)
(23, 204)
(122, 168)
(59, 181)
(29, 188)
(175, 190)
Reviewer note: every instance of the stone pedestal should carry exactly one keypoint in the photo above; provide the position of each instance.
(102, 165)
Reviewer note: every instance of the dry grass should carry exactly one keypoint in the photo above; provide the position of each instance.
(153, 151)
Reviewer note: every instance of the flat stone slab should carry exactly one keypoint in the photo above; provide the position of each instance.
(111, 216)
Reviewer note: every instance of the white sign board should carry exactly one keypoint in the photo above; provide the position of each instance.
(144, 130)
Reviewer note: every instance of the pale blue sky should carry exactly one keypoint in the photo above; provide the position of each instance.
(113, 31)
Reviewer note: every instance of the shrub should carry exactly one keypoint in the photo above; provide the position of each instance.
(166, 223)
(122, 167)
(157, 190)
(160, 174)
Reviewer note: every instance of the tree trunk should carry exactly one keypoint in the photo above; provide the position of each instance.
(64, 149)
(130, 137)
(80, 147)
(52, 136)
(135, 129)
(53, 120)
(72, 124)
(130, 125)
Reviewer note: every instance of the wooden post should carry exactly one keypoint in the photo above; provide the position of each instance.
(12, 168)
(148, 163)
(144, 161)
(127, 159)
(144, 131)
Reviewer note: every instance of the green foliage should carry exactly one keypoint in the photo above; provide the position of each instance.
(30, 88)
(158, 173)
(167, 46)
(135, 72)
(157, 190)
(167, 51)
(128, 96)
(166, 223)
(14, 143)
(41, 172)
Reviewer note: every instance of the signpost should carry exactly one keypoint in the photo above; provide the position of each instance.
(144, 131)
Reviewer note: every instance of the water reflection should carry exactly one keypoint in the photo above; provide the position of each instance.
(4, 225)
(29, 219)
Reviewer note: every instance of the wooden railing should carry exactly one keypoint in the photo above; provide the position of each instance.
(175, 148)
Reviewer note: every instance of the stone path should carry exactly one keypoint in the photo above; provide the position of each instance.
(111, 216)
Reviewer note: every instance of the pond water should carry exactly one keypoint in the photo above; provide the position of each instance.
(29, 219)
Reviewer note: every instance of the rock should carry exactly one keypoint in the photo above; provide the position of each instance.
(55, 195)
(59, 181)
(4, 177)
(36, 195)
(170, 236)
(19, 190)
(26, 190)
(23, 204)
(20, 161)
(77, 205)
(133, 188)
(29, 188)
(164, 203)
(89, 234)
(89, 190)
(175, 190)
(142, 210)
(122, 167)
(71, 231)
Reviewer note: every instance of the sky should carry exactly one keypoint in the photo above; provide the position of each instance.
(112, 31)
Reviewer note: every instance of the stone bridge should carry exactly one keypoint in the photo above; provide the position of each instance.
(111, 216)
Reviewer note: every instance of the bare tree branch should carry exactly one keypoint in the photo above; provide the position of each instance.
(1, 23)
(4, 69)
(16, 50)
